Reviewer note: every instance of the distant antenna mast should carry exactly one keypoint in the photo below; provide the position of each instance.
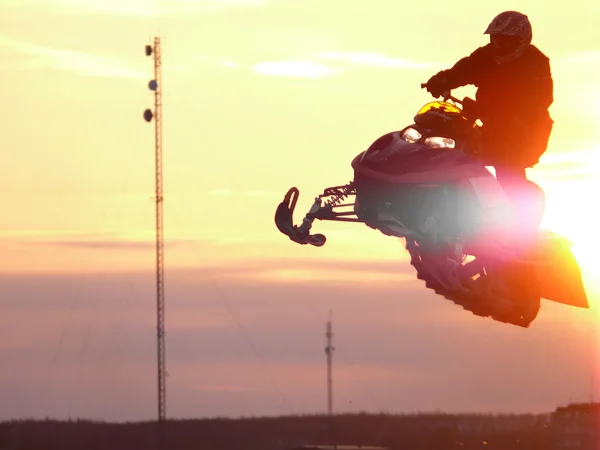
(329, 352)
(156, 86)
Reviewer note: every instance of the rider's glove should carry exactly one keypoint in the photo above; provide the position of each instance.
(437, 84)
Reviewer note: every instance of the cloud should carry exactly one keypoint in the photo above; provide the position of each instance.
(228, 63)
(376, 60)
(184, 246)
(44, 57)
(299, 270)
(314, 69)
(584, 157)
(220, 192)
(265, 194)
(579, 175)
(110, 245)
(178, 7)
(118, 7)
(360, 275)
(227, 388)
(579, 57)
(575, 166)
(301, 69)
(97, 240)
(257, 193)
(142, 8)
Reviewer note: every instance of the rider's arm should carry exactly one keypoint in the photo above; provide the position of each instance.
(539, 87)
(468, 69)
(534, 90)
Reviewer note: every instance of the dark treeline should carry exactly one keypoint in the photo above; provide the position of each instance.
(414, 432)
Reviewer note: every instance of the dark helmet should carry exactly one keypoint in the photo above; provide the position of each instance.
(514, 25)
(511, 23)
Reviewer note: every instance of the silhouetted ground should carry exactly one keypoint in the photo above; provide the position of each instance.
(414, 432)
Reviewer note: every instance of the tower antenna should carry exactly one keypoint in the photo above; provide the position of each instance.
(329, 349)
(156, 86)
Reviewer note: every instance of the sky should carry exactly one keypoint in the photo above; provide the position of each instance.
(259, 96)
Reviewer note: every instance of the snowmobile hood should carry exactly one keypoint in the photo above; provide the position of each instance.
(392, 159)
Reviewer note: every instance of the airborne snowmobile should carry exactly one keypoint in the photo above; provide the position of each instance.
(426, 184)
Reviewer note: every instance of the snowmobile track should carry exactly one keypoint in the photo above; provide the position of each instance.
(478, 296)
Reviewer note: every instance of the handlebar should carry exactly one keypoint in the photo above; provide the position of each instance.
(445, 95)
(466, 103)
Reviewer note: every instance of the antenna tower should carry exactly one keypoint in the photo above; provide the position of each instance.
(156, 86)
(329, 352)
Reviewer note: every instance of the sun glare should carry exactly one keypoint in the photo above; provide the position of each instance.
(570, 213)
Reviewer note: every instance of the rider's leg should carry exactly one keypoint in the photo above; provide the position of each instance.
(525, 196)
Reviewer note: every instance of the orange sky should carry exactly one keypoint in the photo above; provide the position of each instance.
(260, 95)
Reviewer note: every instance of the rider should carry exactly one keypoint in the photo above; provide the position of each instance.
(515, 90)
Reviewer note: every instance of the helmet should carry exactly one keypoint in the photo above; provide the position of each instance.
(515, 27)
(511, 23)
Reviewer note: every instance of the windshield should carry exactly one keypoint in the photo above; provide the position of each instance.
(447, 119)
(442, 106)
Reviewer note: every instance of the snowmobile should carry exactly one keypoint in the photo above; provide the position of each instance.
(426, 184)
